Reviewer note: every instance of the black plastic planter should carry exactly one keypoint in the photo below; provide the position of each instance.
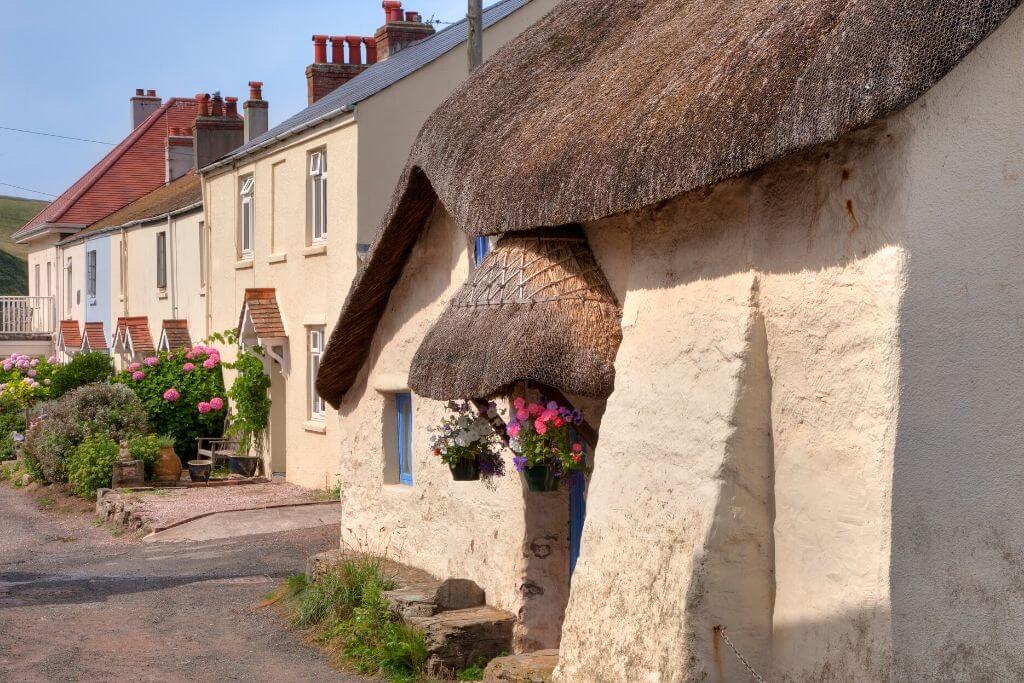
(540, 479)
(465, 470)
(200, 470)
(244, 465)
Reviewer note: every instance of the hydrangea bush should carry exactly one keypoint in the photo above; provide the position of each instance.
(466, 435)
(542, 434)
(24, 382)
(178, 391)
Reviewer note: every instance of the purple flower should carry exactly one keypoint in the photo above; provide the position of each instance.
(152, 360)
(51, 360)
(34, 362)
(577, 416)
(7, 367)
(31, 373)
(552, 405)
(520, 463)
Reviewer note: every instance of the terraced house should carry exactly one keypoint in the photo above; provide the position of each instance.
(291, 210)
(773, 251)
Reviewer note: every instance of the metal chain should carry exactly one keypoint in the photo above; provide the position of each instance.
(757, 677)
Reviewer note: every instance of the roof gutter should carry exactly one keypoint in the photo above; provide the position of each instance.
(131, 224)
(23, 236)
(348, 108)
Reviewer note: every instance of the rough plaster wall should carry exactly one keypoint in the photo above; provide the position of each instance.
(473, 530)
(957, 573)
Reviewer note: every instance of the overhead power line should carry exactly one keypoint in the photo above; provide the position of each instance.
(54, 135)
(27, 189)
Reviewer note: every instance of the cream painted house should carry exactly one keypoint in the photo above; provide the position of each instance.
(288, 211)
(806, 378)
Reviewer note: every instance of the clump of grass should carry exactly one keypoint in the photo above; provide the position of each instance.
(346, 611)
(472, 673)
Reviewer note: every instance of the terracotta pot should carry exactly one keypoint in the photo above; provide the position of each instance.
(200, 470)
(540, 479)
(167, 468)
(465, 470)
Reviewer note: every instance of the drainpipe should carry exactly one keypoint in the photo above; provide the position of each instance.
(172, 263)
(122, 256)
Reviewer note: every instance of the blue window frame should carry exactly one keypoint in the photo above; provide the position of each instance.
(403, 420)
(481, 246)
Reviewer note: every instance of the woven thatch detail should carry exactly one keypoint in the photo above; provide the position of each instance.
(606, 106)
(538, 308)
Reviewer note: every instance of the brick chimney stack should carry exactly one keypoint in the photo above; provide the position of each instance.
(401, 29)
(180, 156)
(322, 76)
(218, 130)
(256, 110)
(144, 103)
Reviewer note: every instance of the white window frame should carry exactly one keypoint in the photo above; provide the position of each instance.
(318, 197)
(161, 260)
(247, 218)
(38, 279)
(317, 405)
(49, 278)
(90, 275)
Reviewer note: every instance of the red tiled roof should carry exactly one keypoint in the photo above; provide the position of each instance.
(176, 334)
(263, 312)
(94, 337)
(177, 194)
(136, 330)
(70, 334)
(135, 167)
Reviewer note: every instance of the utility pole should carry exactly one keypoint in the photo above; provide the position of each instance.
(475, 42)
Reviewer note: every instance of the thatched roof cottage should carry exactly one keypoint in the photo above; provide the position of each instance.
(775, 250)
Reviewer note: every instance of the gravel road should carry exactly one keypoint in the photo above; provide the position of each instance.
(77, 604)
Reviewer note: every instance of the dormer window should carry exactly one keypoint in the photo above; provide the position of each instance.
(248, 218)
(318, 196)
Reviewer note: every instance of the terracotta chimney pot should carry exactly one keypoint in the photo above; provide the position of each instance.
(255, 90)
(319, 49)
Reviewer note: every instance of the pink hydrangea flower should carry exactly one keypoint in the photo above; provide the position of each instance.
(209, 363)
(152, 360)
(513, 429)
(204, 407)
(31, 373)
(548, 415)
(34, 362)
(188, 367)
(540, 427)
(7, 367)
(519, 403)
(138, 375)
(132, 367)
(534, 409)
(216, 403)
(522, 414)
(172, 395)
(51, 360)
(188, 354)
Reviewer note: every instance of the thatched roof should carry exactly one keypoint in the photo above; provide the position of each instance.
(607, 106)
(558, 319)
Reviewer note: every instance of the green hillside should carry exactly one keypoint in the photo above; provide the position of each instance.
(14, 211)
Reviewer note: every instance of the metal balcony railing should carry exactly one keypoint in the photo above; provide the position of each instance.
(26, 316)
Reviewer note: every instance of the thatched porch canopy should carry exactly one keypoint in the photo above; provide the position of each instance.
(608, 106)
(538, 308)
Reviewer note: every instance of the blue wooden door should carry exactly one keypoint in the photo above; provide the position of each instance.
(577, 513)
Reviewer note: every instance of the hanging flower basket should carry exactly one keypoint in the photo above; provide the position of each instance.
(547, 451)
(467, 442)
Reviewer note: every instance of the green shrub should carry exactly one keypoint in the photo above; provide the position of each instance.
(249, 393)
(111, 411)
(12, 419)
(146, 447)
(180, 392)
(84, 368)
(90, 465)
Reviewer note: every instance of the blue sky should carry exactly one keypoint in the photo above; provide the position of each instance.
(69, 67)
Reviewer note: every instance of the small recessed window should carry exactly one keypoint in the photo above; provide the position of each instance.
(202, 254)
(318, 196)
(398, 440)
(161, 260)
(481, 246)
(90, 274)
(248, 218)
(317, 407)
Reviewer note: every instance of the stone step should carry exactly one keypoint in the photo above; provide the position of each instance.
(462, 637)
(529, 667)
(426, 598)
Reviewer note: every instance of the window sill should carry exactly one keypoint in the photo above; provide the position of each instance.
(277, 258)
(398, 489)
(244, 264)
(161, 294)
(315, 426)
(315, 250)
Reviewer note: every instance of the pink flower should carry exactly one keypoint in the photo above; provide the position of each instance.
(522, 414)
(188, 354)
(548, 415)
(204, 407)
(132, 367)
(138, 376)
(576, 447)
(216, 403)
(188, 367)
(7, 367)
(34, 362)
(172, 395)
(31, 373)
(534, 409)
(540, 427)
(51, 360)
(152, 360)
(559, 422)
(210, 363)
(520, 402)
(513, 429)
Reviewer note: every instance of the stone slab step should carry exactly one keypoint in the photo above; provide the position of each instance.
(459, 638)
(530, 667)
